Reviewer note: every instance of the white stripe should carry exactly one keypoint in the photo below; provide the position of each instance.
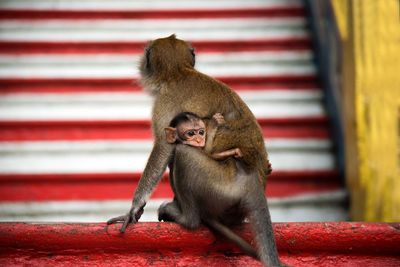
(144, 4)
(109, 157)
(250, 70)
(135, 30)
(143, 25)
(133, 58)
(114, 66)
(104, 98)
(273, 144)
(133, 110)
(311, 207)
(131, 71)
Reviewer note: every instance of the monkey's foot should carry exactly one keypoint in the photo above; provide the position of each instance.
(163, 215)
(127, 219)
(165, 218)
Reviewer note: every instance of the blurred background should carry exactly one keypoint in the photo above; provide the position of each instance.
(322, 78)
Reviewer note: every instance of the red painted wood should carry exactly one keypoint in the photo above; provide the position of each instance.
(108, 186)
(167, 244)
(129, 47)
(316, 128)
(63, 85)
(32, 14)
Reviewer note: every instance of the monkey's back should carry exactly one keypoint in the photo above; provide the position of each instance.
(201, 94)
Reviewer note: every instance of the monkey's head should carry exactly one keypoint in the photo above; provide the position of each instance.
(186, 128)
(165, 57)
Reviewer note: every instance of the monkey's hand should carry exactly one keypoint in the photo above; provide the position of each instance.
(132, 217)
(219, 119)
(238, 153)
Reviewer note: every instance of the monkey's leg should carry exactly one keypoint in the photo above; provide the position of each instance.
(167, 213)
(170, 212)
(183, 209)
(201, 174)
(221, 186)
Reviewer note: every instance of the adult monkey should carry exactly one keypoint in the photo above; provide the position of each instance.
(221, 195)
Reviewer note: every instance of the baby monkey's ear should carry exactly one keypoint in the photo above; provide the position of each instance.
(171, 135)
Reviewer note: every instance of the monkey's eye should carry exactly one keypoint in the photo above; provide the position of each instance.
(201, 132)
(190, 133)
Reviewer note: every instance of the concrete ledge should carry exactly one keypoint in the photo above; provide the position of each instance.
(166, 244)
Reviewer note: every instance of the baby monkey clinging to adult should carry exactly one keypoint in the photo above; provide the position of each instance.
(189, 129)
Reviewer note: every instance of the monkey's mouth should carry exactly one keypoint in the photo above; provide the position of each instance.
(195, 144)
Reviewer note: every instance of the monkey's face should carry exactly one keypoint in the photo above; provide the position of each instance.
(192, 133)
(166, 56)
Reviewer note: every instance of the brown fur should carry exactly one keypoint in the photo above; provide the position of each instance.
(174, 80)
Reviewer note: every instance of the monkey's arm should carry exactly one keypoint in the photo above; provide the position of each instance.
(159, 158)
(243, 132)
(213, 125)
(211, 131)
(234, 152)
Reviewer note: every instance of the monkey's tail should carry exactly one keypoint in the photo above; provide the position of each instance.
(232, 236)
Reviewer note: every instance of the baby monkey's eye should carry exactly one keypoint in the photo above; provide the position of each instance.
(201, 132)
(190, 133)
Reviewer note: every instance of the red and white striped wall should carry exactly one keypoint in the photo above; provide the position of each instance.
(75, 125)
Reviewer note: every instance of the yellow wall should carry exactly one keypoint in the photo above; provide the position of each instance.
(370, 33)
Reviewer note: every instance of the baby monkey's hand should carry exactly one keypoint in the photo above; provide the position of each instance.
(219, 119)
(238, 153)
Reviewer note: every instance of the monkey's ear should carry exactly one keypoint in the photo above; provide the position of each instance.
(170, 134)
(146, 59)
(193, 56)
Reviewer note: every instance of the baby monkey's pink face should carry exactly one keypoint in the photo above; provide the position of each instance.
(193, 133)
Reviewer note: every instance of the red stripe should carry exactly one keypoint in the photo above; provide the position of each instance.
(277, 176)
(59, 85)
(31, 14)
(141, 130)
(46, 187)
(120, 47)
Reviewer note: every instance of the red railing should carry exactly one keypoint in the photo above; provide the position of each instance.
(167, 244)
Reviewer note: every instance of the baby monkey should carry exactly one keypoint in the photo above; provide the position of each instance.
(189, 129)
